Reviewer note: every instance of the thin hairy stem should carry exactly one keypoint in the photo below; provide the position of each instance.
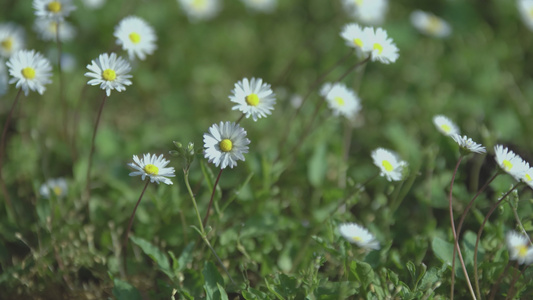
(88, 181)
(520, 225)
(212, 197)
(132, 217)
(240, 119)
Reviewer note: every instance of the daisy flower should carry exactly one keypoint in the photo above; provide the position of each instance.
(519, 248)
(136, 37)
(389, 163)
(11, 39)
(468, 145)
(47, 29)
(511, 163)
(366, 11)
(382, 47)
(152, 166)
(341, 100)
(57, 187)
(525, 7)
(110, 72)
(200, 9)
(53, 9)
(358, 235)
(3, 78)
(445, 125)
(260, 5)
(356, 36)
(528, 176)
(225, 144)
(429, 24)
(253, 97)
(29, 70)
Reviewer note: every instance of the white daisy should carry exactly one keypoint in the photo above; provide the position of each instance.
(356, 36)
(261, 5)
(30, 71)
(225, 144)
(253, 97)
(11, 39)
(47, 29)
(200, 9)
(110, 72)
(390, 164)
(3, 78)
(511, 163)
(467, 144)
(152, 166)
(370, 12)
(93, 4)
(519, 248)
(57, 187)
(528, 176)
(382, 47)
(136, 36)
(429, 24)
(358, 235)
(53, 9)
(445, 125)
(525, 7)
(341, 100)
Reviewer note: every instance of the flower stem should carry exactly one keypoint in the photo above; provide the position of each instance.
(212, 197)
(88, 181)
(239, 119)
(132, 216)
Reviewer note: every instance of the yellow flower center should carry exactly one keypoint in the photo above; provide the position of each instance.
(507, 165)
(339, 101)
(446, 128)
(7, 44)
(28, 73)
(522, 250)
(199, 4)
(357, 238)
(252, 99)
(226, 145)
(359, 2)
(54, 6)
(151, 169)
(378, 47)
(57, 190)
(109, 75)
(531, 13)
(135, 37)
(358, 42)
(434, 25)
(528, 178)
(387, 165)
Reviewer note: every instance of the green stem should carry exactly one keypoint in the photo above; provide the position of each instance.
(191, 194)
(88, 181)
(132, 217)
(212, 197)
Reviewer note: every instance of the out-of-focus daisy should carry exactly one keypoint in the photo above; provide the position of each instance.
(152, 166)
(254, 98)
(356, 36)
(260, 5)
(525, 7)
(528, 175)
(371, 12)
(93, 4)
(11, 39)
(359, 235)
(382, 47)
(136, 36)
(53, 9)
(200, 9)
(430, 24)
(519, 248)
(390, 164)
(29, 70)
(445, 125)
(57, 187)
(47, 29)
(3, 78)
(225, 144)
(110, 72)
(468, 145)
(511, 163)
(341, 100)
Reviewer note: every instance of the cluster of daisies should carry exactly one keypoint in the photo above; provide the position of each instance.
(370, 42)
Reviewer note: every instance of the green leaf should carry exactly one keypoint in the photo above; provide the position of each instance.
(222, 291)
(361, 272)
(125, 291)
(155, 254)
(253, 294)
(185, 257)
(212, 281)
(431, 278)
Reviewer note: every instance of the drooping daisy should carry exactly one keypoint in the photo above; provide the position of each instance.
(152, 166)
(359, 235)
(519, 248)
(528, 175)
(3, 78)
(261, 5)
(511, 163)
(468, 145)
(136, 36)
(341, 100)
(356, 36)
(47, 29)
(93, 4)
(225, 144)
(200, 9)
(29, 70)
(382, 47)
(254, 98)
(53, 9)
(11, 39)
(525, 7)
(429, 24)
(57, 187)
(371, 12)
(445, 125)
(390, 164)
(110, 72)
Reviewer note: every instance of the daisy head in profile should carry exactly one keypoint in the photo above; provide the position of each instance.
(509, 162)
(56, 187)
(153, 167)
(254, 98)
(30, 71)
(341, 100)
(225, 144)
(445, 125)
(110, 72)
(53, 9)
(356, 36)
(47, 29)
(11, 39)
(519, 248)
(467, 145)
(136, 36)
(389, 163)
(429, 24)
(359, 235)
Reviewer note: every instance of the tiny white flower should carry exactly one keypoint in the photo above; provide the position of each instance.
(382, 47)
(528, 175)
(93, 4)
(53, 9)
(3, 78)
(57, 187)
(254, 98)
(30, 71)
(110, 72)
(445, 125)
(519, 248)
(11, 39)
(390, 164)
(200, 9)
(356, 36)
(525, 7)
(47, 29)
(152, 166)
(225, 144)
(358, 235)
(341, 100)
(371, 12)
(511, 163)
(468, 145)
(261, 5)
(136, 36)
(430, 24)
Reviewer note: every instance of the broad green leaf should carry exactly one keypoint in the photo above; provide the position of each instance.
(212, 281)
(125, 291)
(361, 272)
(253, 294)
(155, 254)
